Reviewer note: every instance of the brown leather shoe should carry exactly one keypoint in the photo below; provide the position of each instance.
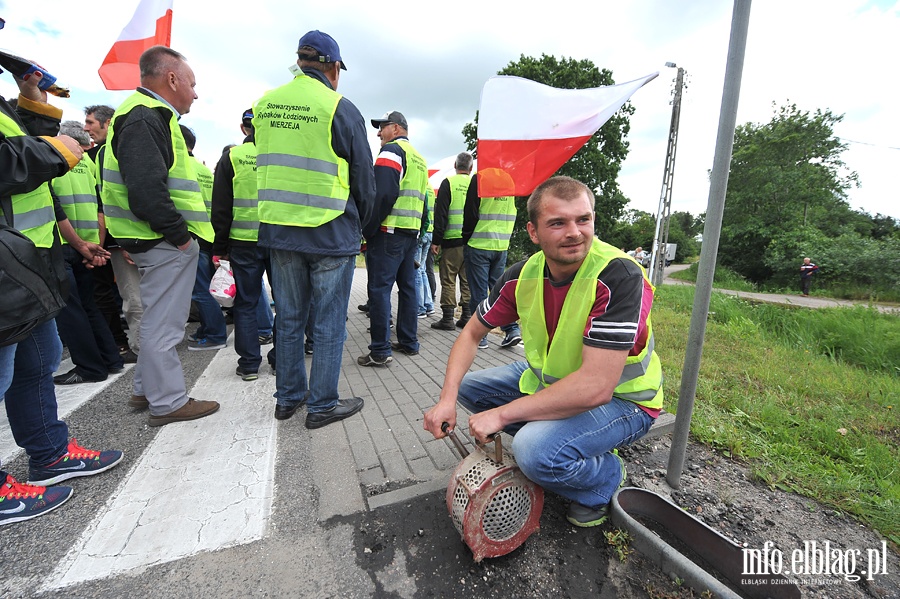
(192, 410)
(138, 402)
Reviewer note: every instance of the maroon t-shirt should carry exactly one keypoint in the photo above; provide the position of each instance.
(618, 319)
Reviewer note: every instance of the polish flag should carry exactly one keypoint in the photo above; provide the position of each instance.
(527, 130)
(150, 26)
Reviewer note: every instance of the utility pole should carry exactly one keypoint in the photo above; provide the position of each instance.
(734, 68)
(661, 236)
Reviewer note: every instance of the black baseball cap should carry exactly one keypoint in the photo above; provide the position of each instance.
(391, 117)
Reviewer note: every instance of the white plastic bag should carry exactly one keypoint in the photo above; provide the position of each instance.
(221, 287)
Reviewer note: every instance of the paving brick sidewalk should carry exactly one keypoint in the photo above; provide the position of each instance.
(390, 448)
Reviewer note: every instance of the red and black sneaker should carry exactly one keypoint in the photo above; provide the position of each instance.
(19, 501)
(77, 461)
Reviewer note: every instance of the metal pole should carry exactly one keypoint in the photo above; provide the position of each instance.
(661, 235)
(734, 66)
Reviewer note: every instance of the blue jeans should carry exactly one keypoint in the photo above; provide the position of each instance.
(83, 327)
(265, 320)
(571, 457)
(390, 258)
(483, 269)
(212, 321)
(423, 287)
(301, 281)
(248, 265)
(30, 399)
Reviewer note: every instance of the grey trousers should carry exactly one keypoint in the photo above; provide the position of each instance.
(128, 280)
(167, 280)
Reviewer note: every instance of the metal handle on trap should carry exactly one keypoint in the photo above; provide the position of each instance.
(463, 452)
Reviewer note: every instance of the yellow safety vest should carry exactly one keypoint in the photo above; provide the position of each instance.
(205, 179)
(496, 220)
(407, 210)
(33, 211)
(181, 182)
(301, 181)
(459, 186)
(77, 193)
(641, 379)
(245, 217)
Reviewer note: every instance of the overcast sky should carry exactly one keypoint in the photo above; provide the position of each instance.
(430, 61)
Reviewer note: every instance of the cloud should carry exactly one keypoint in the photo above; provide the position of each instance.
(430, 61)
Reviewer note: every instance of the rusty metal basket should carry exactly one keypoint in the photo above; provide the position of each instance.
(494, 507)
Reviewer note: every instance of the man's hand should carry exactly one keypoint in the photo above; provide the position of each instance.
(185, 246)
(439, 414)
(94, 254)
(127, 257)
(216, 259)
(71, 145)
(485, 424)
(435, 249)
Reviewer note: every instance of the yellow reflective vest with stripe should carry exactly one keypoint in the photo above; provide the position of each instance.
(77, 193)
(641, 379)
(459, 185)
(33, 211)
(301, 181)
(205, 179)
(496, 220)
(245, 216)
(181, 182)
(410, 204)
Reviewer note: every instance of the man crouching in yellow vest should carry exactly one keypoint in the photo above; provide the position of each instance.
(591, 381)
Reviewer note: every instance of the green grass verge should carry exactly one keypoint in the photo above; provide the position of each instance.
(803, 417)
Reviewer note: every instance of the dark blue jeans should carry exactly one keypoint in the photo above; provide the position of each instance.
(265, 320)
(31, 399)
(248, 263)
(212, 321)
(572, 456)
(391, 258)
(483, 269)
(301, 282)
(83, 327)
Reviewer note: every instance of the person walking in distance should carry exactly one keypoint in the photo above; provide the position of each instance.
(807, 270)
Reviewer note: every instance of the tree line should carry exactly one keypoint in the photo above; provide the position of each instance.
(786, 197)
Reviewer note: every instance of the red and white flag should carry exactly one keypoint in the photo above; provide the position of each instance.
(150, 26)
(527, 130)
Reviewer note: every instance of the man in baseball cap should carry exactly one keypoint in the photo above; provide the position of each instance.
(316, 188)
(327, 49)
(394, 117)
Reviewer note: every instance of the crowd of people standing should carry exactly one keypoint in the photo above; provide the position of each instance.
(297, 201)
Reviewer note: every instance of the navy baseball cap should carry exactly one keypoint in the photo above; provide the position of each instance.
(324, 44)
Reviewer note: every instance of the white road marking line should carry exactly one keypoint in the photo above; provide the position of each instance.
(200, 485)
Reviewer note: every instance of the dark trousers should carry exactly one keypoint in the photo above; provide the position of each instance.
(248, 265)
(108, 301)
(391, 259)
(82, 326)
